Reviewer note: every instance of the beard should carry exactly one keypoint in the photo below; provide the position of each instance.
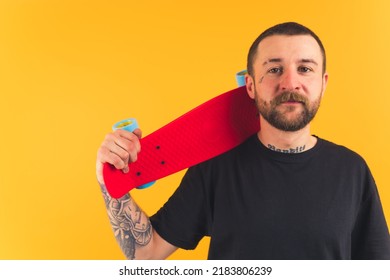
(278, 118)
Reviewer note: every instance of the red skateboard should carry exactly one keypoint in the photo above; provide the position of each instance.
(206, 131)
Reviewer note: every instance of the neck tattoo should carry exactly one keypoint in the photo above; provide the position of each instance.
(287, 151)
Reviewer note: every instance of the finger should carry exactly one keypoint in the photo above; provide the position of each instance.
(122, 152)
(122, 138)
(107, 156)
(138, 132)
(126, 145)
(126, 169)
(127, 150)
(104, 155)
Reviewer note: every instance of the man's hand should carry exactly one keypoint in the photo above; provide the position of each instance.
(119, 148)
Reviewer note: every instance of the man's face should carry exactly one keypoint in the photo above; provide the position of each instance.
(288, 81)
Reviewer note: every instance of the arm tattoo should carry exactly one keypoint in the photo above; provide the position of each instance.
(131, 226)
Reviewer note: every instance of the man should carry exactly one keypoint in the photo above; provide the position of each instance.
(283, 194)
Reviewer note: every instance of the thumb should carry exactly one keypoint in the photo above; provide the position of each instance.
(138, 132)
(99, 172)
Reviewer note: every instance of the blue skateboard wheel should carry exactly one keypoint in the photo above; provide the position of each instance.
(128, 124)
(240, 78)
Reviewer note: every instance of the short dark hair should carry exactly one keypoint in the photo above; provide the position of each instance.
(287, 28)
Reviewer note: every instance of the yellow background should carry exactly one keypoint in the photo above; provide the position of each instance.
(70, 69)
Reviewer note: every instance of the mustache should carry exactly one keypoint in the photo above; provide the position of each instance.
(286, 96)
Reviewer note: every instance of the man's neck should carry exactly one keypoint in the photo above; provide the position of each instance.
(286, 142)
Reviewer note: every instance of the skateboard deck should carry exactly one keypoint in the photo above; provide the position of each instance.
(206, 131)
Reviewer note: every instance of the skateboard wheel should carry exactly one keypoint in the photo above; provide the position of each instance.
(240, 78)
(127, 124)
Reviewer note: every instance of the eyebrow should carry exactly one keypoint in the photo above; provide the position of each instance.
(272, 60)
(309, 61)
(304, 60)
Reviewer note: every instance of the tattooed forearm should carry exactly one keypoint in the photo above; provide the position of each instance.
(131, 226)
(287, 151)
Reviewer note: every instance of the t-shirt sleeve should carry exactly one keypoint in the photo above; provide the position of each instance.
(370, 237)
(183, 220)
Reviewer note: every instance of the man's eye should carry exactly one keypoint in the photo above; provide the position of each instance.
(304, 69)
(276, 70)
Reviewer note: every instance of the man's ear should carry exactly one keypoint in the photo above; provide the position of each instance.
(324, 83)
(250, 86)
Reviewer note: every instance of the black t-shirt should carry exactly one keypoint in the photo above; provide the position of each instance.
(256, 203)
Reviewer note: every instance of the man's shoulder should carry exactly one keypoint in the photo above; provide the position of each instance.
(230, 157)
(339, 152)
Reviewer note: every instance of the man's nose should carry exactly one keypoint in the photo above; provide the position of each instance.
(290, 80)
